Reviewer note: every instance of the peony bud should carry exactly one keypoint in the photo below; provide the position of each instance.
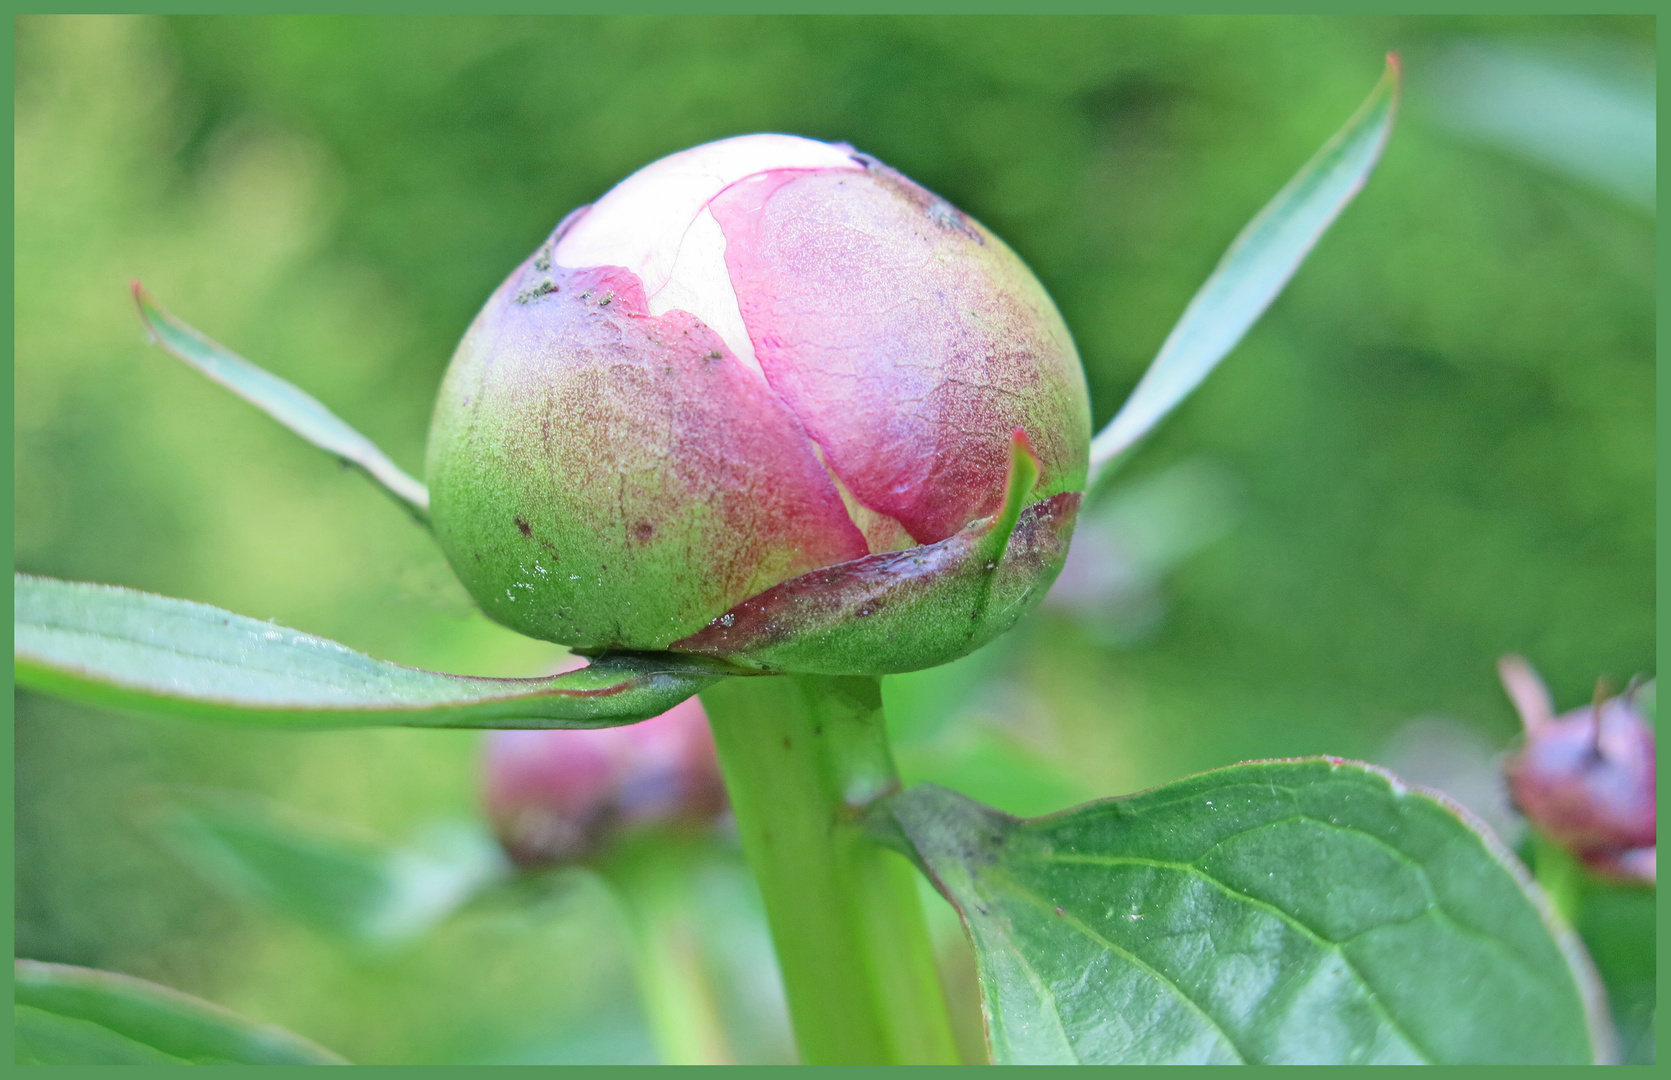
(1585, 779)
(764, 400)
(559, 795)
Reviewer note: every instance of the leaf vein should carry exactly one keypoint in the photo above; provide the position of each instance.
(1291, 920)
(1042, 904)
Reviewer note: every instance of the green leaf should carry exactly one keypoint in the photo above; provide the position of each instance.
(291, 406)
(1286, 911)
(343, 886)
(1253, 271)
(77, 1016)
(126, 649)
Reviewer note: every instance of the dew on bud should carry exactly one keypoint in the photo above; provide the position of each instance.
(1585, 779)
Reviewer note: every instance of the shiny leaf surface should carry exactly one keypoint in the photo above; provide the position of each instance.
(133, 650)
(1288, 911)
(1254, 271)
(78, 1016)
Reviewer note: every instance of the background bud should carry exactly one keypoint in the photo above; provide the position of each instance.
(750, 361)
(554, 796)
(1585, 779)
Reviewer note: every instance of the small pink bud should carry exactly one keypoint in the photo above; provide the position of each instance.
(1585, 779)
(766, 362)
(554, 796)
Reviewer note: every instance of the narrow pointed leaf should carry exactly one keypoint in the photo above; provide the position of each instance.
(289, 405)
(78, 1016)
(1285, 911)
(127, 649)
(1258, 264)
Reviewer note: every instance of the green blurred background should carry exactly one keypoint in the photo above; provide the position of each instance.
(1436, 447)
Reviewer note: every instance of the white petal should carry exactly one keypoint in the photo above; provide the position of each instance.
(700, 284)
(641, 223)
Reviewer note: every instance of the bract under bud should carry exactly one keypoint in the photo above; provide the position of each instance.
(556, 796)
(1587, 778)
(764, 400)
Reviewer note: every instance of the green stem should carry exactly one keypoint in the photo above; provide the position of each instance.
(651, 878)
(802, 756)
(1560, 875)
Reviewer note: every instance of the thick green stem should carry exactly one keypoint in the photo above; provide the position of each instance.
(802, 757)
(651, 877)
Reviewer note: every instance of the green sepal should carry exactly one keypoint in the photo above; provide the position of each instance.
(905, 610)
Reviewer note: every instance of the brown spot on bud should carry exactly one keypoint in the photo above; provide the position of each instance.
(543, 288)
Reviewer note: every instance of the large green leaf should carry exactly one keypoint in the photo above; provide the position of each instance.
(126, 649)
(1253, 271)
(77, 1016)
(1288, 911)
(345, 886)
(291, 406)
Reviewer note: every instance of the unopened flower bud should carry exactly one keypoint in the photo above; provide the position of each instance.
(1585, 779)
(762, 401)
(554, 795)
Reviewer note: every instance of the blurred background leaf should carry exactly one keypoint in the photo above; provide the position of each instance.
(1618, 925)
(1583, 113)
(68, 1015)
(1436, 447)
(354, 888)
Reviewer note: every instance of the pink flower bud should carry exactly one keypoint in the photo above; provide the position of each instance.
(1585, 779)
(554, 796)
(749, 363)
